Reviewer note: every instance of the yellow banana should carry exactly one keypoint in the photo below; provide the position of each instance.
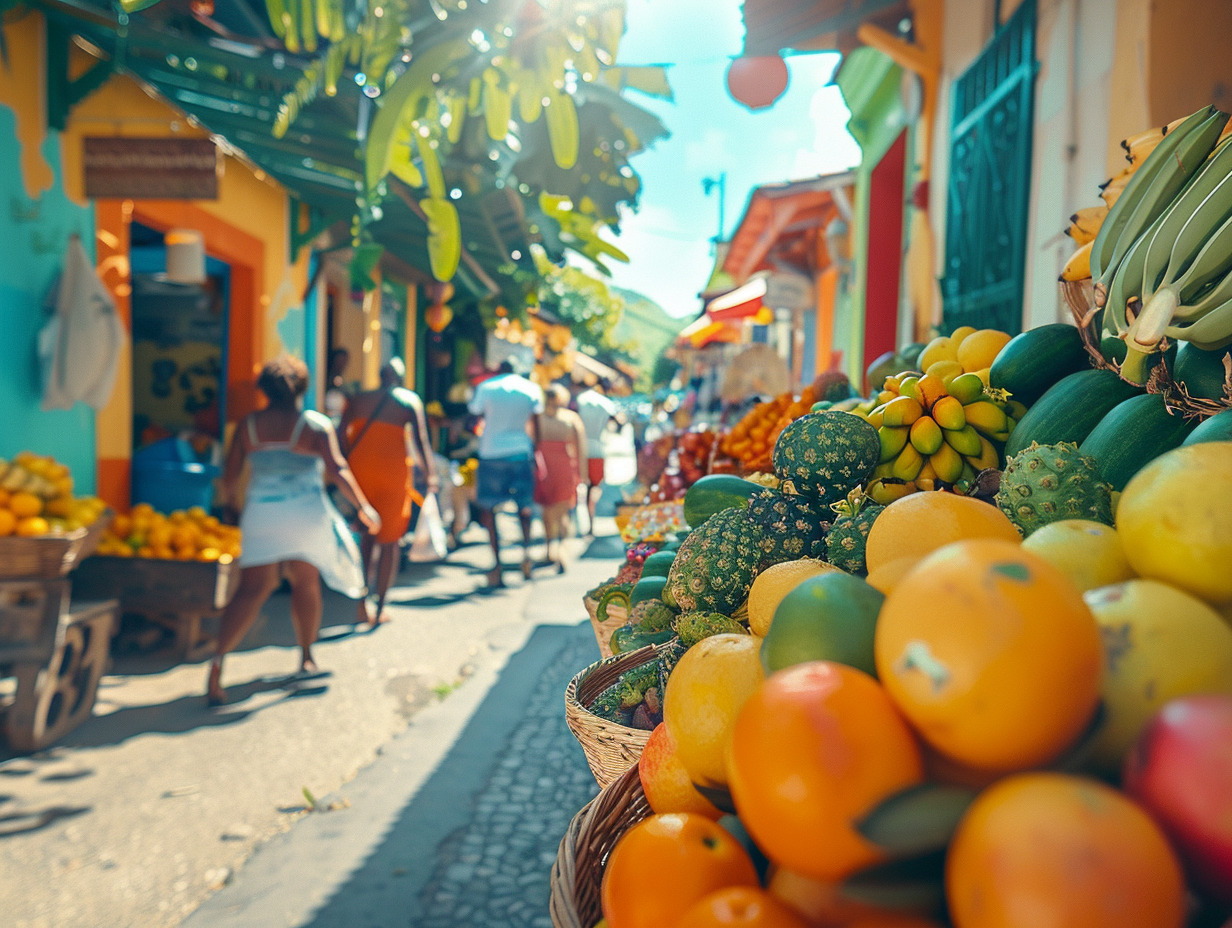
(988, 456)
(908, 463)
(1078, 267)
(1112, 188)
(892, 441)
(948, 464)
(948, 411)
(1084, 224)
(902, 411)
(985, 416)
(926, 435)
(966, 441)
(562, 122)
(966, 389)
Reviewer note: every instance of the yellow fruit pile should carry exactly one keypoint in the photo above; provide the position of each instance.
(184, 535)
(36, 498)
(944, 425)
(752, 438)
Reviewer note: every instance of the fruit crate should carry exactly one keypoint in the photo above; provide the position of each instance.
(45, 557)
(179, 595)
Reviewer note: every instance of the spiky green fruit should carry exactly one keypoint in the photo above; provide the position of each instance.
(848, 536)
(716, 564)
(651, 615)
(1048, 483)
(692, 627)
(826, 454)
(792, 526)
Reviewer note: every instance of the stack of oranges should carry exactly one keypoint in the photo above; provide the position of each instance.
(752, 438)
(36, 498)
(183, 535)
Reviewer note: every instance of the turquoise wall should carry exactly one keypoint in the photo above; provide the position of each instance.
(34, 234)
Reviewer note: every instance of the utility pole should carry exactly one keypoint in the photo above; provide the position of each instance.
(709, 184)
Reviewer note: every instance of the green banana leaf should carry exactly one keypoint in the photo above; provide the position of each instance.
(364, 260)
(444, 237)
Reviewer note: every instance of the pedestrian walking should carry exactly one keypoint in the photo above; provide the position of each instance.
(560, 439)
(288, 525)
(506, 402)
(385, 440)
(596, 411)
(335, 384)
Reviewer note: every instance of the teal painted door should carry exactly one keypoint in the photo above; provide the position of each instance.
(990, 179)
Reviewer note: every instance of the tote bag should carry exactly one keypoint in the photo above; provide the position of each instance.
(430, 542)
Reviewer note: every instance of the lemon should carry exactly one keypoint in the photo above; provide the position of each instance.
(979, 349)
(775, 582)
(961, 333)
(706, 690)
(1089, 553)
(1159, 643)
(1175, 520)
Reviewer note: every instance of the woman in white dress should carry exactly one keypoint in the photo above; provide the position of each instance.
(289, 528)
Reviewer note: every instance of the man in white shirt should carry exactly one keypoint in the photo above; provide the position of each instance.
(506, 473)
(596, 411)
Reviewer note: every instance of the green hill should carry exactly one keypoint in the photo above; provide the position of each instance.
(646, 331)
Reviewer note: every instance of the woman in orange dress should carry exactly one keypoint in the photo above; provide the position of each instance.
(560, 438)
(385, 437)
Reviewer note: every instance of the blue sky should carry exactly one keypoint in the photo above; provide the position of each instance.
(802, 135)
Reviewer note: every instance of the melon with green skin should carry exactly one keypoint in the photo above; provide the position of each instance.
(826, 454)
(848, 536)
(793, 526)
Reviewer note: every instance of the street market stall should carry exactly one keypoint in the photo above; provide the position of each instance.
(996, 588)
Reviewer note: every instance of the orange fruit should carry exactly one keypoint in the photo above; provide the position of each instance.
(741, 907)
(665, 781)
(8, 523)
(24, 505)
(812, 751)
(820, 902)
(920, 523)
(664, 864)
(1049, 850)
(706, 689)
(888, 575)
(991, 654)
(31, 526)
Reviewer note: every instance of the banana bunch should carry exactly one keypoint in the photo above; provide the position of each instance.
(1085, 224)
(936, 431)
(15, 478)
(1174, 279)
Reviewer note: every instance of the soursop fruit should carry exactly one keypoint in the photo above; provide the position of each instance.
(826, 454)
(792, 526)
(692, 627)
(715, 566)
(1048, 483)
(849, 532)
(651, 615)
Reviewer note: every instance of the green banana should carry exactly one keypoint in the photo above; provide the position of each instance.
(497, 104)
(562, 122)
(1125, 219)
(444, 236)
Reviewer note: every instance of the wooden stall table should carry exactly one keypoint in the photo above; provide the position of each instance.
(178, 595)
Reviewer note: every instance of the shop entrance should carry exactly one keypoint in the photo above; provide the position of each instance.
(179, 357)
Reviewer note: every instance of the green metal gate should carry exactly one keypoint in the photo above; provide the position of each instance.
(989, 185)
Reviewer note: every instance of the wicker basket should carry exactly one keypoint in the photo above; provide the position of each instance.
(1080, 298)
(45, 557)
(610, 749)
(603, 628)
(578, 870)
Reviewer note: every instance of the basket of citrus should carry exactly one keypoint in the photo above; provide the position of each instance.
(44, 529)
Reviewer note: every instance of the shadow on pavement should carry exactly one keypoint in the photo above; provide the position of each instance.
(475, 845)
(23, 823)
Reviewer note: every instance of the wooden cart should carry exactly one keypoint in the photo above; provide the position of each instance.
(179, 595)
(56, 652)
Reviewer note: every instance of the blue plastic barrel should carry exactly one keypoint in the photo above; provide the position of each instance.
(166, 476)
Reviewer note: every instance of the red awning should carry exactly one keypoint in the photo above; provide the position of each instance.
(705, 331)
(744, 301)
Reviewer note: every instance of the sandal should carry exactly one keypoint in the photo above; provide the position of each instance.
(527, 567)
(495, 580)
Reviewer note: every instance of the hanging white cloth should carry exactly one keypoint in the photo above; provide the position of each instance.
(79, 347)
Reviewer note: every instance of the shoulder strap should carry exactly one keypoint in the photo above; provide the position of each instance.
(538, 436)
(252, 431)
(371, 418)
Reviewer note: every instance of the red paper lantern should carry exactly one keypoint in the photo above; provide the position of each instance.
(758, 81)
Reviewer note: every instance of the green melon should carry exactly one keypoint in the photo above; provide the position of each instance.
(826, 455)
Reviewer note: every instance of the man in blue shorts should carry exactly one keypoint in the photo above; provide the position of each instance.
(506, 472)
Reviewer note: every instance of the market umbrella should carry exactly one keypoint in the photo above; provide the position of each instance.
(758, 370)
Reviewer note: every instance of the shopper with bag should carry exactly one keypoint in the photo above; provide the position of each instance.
(560, 439)
(385, 438)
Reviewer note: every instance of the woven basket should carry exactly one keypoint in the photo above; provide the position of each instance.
(610, 748)
(578, 870)
(603, 628)
(1079, 296)
(45, 557)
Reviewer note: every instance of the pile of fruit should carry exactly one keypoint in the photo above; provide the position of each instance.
(183, 535)
(751, 439)
(36, 498)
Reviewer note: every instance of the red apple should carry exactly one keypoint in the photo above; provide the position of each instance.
(1180, 769)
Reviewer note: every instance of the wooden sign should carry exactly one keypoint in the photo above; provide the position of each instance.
(150, 168)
